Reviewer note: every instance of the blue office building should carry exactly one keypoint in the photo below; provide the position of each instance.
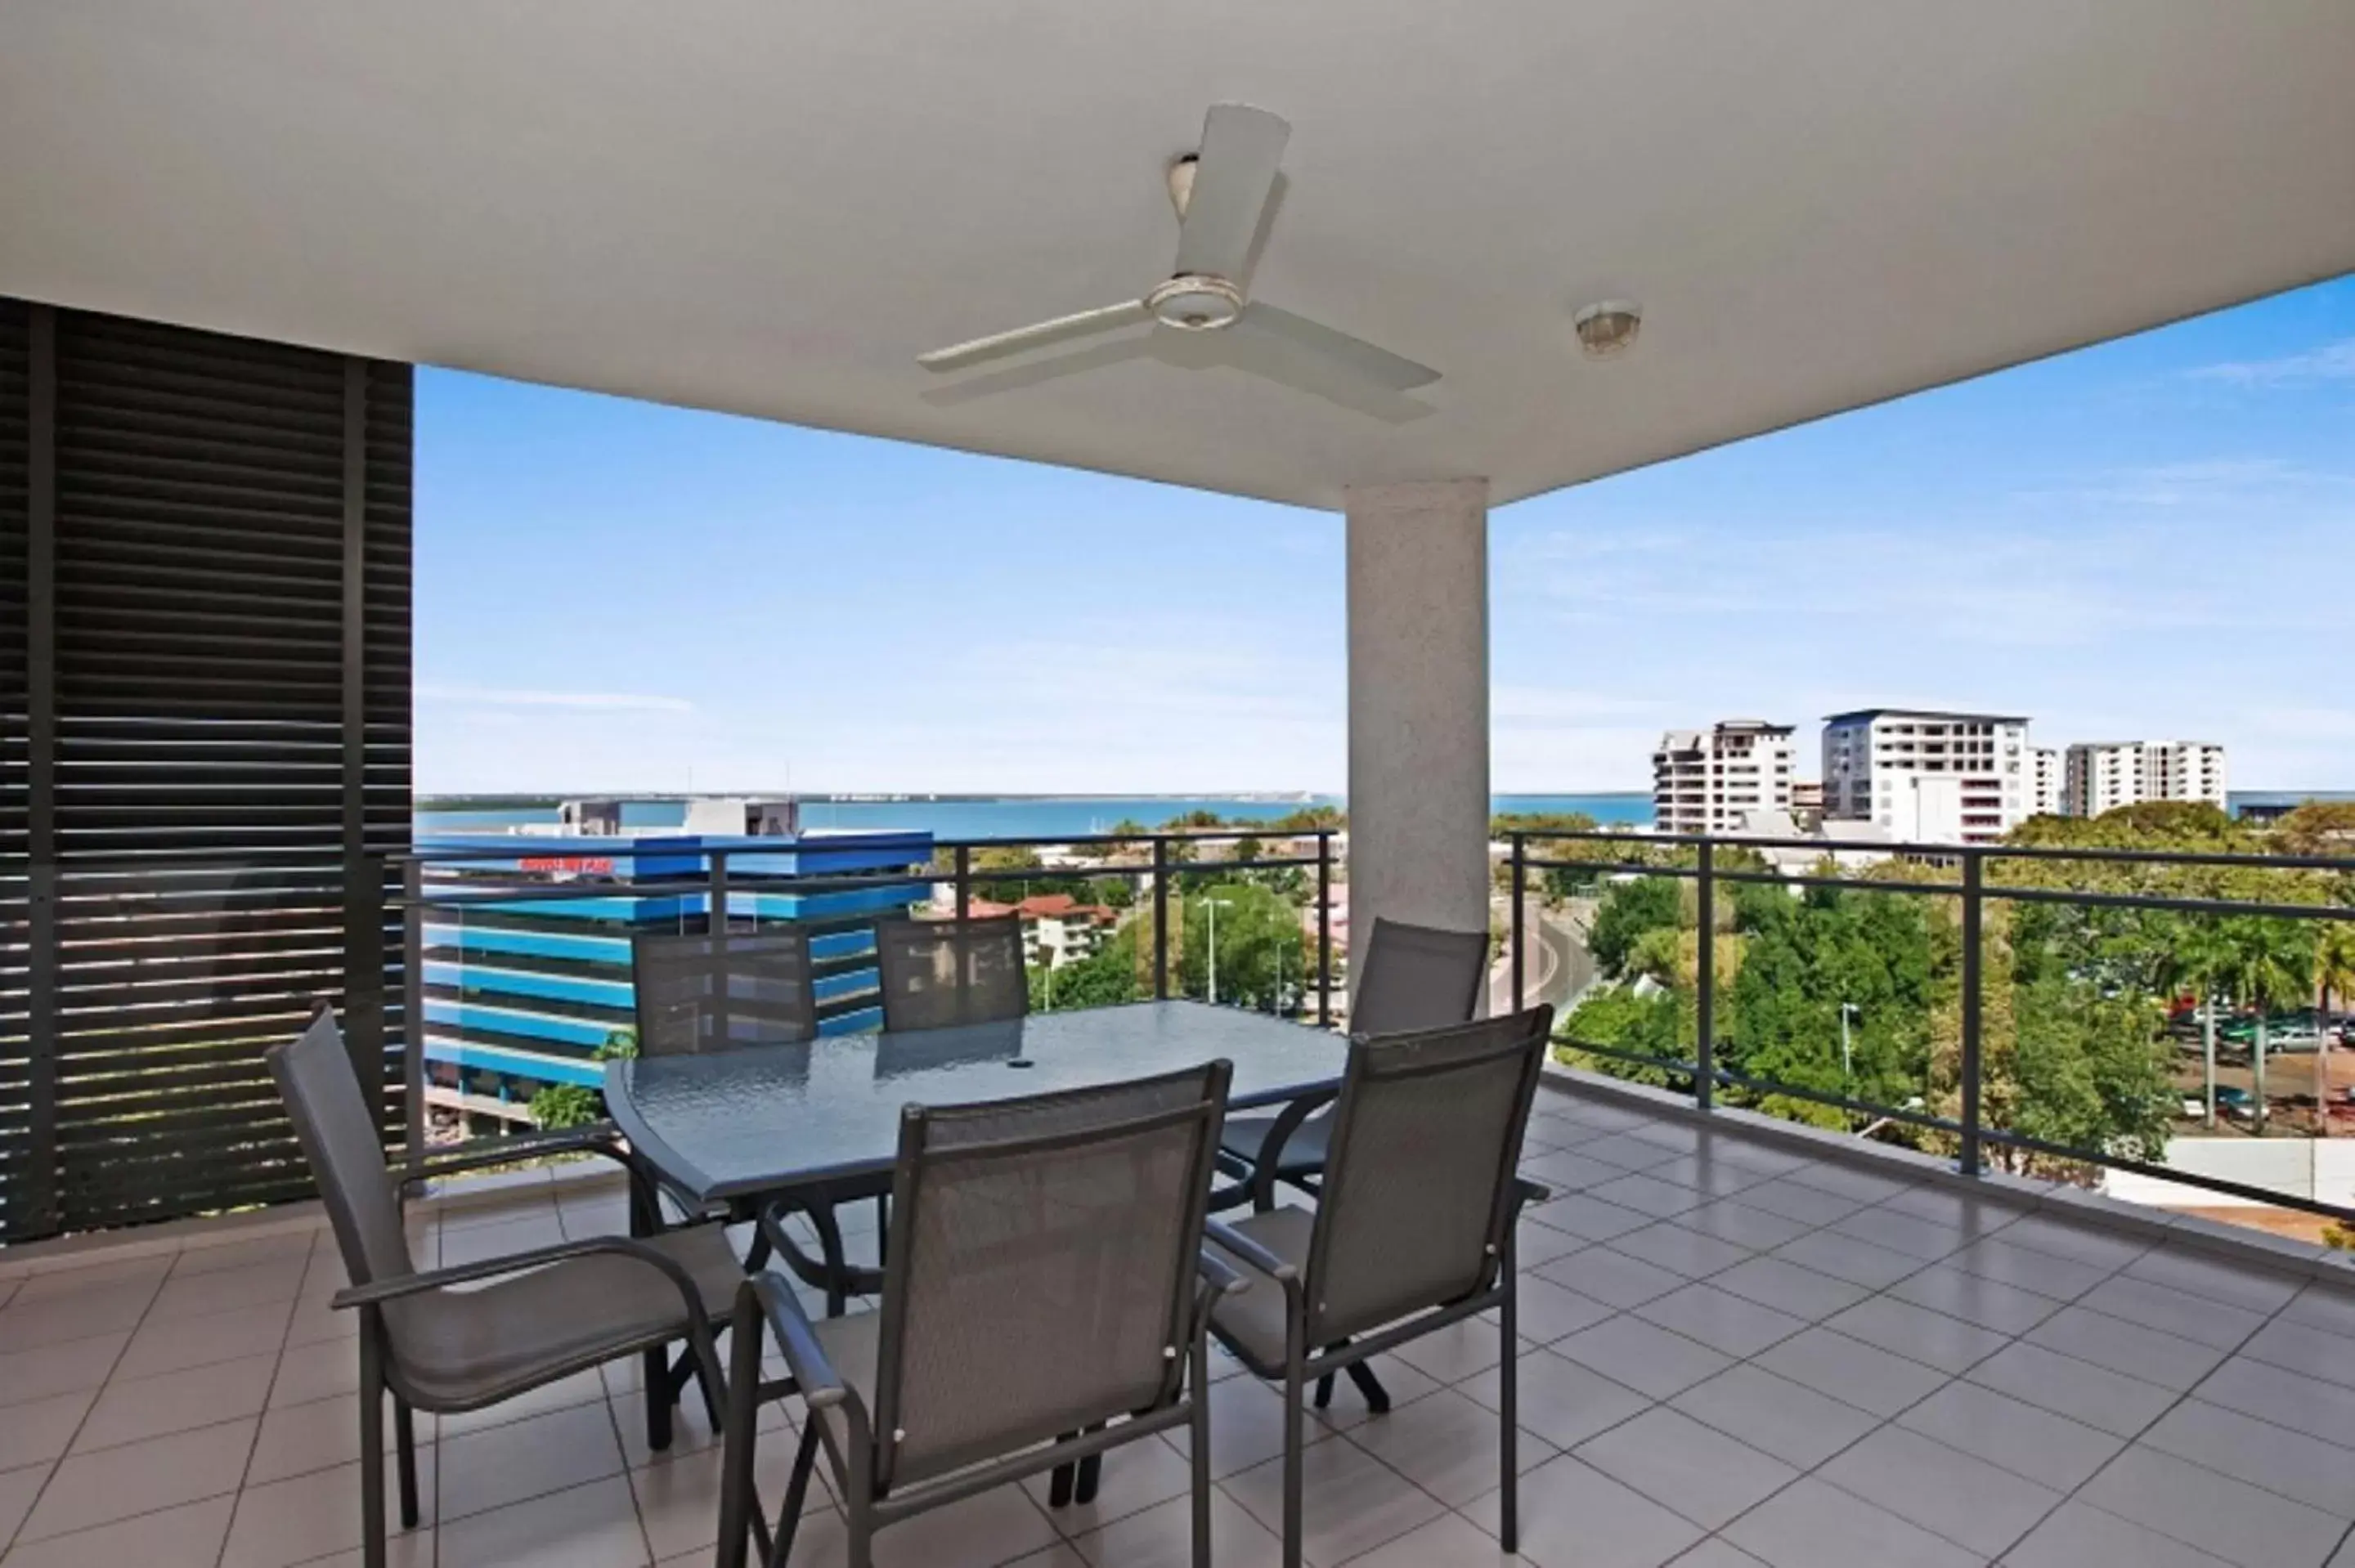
(519, 995)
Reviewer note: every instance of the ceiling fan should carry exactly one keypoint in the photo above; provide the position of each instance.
(1222, 195)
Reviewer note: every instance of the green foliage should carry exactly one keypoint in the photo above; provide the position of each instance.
(1263, 953)
(557, 1107)
(2091, 1071)
(1805, 959)
(1628, 910)
(1105, 977)
(1505, 824)
(1655, 1025)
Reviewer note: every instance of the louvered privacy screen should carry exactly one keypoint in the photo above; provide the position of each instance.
(204, 752)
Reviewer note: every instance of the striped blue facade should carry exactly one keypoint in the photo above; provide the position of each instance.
(519, 994)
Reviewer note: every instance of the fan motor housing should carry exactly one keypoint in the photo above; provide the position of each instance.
(1196, 303)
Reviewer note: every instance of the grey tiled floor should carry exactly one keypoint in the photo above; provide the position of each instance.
(1734, 1356)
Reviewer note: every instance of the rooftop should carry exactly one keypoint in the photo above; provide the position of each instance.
(1799, 1350)
(1863, 716)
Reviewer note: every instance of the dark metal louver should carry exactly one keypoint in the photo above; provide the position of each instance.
(204, 752)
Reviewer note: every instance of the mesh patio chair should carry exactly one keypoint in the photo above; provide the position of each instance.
(1416, 978)
(1413, 1232)
(1046, 1300)
(701, 991)
(533, 1318)
(940, 973)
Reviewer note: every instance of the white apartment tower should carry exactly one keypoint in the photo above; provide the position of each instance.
(2048, 775)
(2104, 775)
(1716, 780)
(1929, 778)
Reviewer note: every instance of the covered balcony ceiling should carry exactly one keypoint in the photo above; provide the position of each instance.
(773, 208)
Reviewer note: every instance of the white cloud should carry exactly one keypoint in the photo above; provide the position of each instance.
(509, 697)
(2331, 362)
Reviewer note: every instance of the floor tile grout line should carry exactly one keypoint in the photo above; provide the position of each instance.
(254, 1441)
(236, 1494)
(2062, 1305)
(2072, 1495)
(100, 1393)
(620, 1446)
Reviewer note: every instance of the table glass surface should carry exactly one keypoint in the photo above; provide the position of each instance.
(739, 1123)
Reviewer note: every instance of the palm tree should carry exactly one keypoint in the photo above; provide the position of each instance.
(2334, 971)
(2202, 960)
(2273, 965)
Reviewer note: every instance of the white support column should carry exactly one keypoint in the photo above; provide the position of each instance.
(1418, 570)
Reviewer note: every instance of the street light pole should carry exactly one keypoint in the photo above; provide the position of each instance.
(1211, 910)
(1847, 1072)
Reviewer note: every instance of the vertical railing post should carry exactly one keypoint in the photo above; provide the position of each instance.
(961, 884)
(1974, 897)
(1521, 900)
(1324, 929)
(1161, 919)
(1705, 982)
(412, 1010)
(715, 924)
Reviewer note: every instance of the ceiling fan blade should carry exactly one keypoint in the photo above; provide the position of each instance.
(1362, 359)
(1039, 335)
(1233, 173)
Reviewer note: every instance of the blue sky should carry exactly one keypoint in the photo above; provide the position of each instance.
(2152, 537)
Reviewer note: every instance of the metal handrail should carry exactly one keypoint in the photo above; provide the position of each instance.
(1974, 891)
(421, 895)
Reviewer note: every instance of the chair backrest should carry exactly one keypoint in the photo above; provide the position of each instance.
(339, 1137)
(1417, 977)
(1042, 1266)
(1419, 1174)
(715, 991)
(939, 973)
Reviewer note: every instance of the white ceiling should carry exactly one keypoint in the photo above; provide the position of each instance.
(772, 206)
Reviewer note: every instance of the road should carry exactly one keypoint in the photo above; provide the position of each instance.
(1560, 967)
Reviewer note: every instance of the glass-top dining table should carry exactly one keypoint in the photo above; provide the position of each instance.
(822, 1117)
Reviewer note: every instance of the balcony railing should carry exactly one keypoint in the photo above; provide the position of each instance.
(2160, 928)
(480, 921)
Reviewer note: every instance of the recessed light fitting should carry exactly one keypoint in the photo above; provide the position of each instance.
(1608, 327)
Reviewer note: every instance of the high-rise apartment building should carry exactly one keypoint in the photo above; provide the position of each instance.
(1715, 780)
(2104, 775)
(1932, 778)
(2046, 781)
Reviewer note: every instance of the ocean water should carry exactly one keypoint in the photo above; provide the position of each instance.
(1027, 817)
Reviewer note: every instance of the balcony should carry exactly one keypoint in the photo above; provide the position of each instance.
(230, 238)
(1742, 1338)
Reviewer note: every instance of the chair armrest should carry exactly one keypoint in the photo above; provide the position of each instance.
(1217, 1277)
(1251, 1252)
(1526, 1192)
(1287, 1122)
(820, 1384)
(377, 1292)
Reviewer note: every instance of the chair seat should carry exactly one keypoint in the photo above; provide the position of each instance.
(455, 1349)
(1250, 1322)
(852, 1346)
(1304, 1152)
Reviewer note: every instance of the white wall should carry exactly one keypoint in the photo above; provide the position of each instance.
(2321, 1168)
